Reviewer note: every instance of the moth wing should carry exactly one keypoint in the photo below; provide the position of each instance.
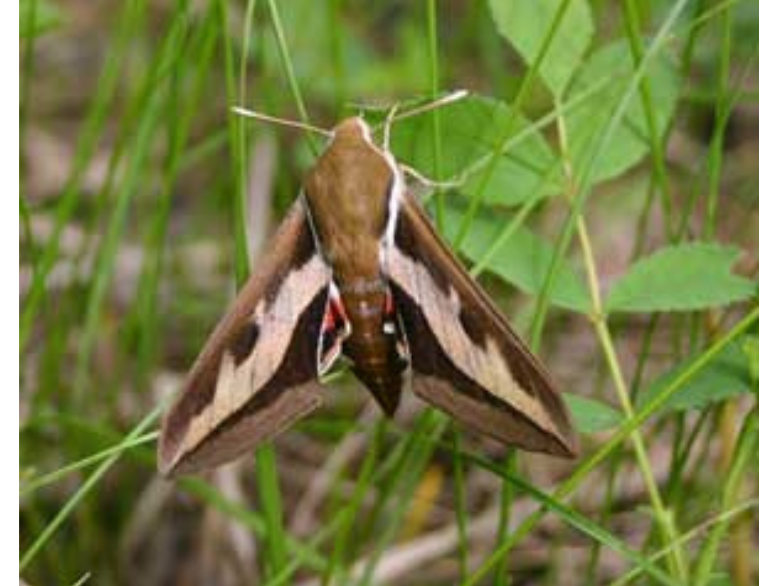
(258, 371)
(465, 357)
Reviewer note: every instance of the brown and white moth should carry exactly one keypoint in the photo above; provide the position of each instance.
(356, 269)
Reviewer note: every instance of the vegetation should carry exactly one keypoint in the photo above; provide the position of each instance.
(607, 197)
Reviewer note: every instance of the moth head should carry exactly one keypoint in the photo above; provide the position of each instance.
(352, 129)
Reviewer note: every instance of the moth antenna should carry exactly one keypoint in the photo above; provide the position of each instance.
(392, 114)
(281, 121)
(439, 103)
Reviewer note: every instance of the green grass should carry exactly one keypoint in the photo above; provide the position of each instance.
(129, 259)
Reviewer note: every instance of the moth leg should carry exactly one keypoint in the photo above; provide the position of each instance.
(335, 329)
(430, 183)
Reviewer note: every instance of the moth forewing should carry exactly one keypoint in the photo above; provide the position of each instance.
(465, 357)
(257, 372)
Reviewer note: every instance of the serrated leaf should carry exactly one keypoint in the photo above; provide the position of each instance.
(523, 260)
(591, 416)
(681, 278)
(586, 123)
(470, 129)
(725, 376)
(526, 25)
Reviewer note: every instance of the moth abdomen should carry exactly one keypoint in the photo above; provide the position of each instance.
(372, 350)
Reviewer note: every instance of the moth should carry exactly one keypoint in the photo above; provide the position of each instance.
(357, 270)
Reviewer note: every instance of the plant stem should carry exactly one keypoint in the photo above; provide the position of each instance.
(499, 146)
(599, 318)
(434, 84)
(287, 63)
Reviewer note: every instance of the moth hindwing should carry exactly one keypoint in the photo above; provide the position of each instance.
(357, 269)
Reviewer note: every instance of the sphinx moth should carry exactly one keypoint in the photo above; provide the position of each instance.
(356, 269)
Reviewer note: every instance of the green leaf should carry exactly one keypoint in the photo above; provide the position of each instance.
(681, 278)
(586, 123)
(526, 24)
(522, 260)
(723, 377)
(590, 416)
(471, 127)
